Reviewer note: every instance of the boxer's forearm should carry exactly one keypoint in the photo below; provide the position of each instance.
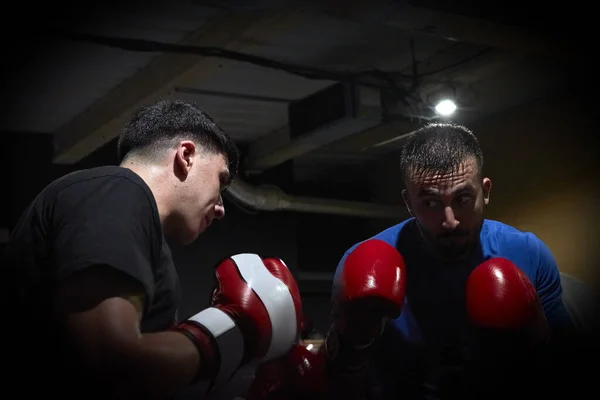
(156, 366)
(347, 367)
(130, 364)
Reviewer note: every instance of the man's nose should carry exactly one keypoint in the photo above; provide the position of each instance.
(450, 222)
(220, 209)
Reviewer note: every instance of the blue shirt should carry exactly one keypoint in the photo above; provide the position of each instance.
(434, 321)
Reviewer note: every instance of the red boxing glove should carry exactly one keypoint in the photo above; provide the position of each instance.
(500, 296)
(307, 373)
(270, 382)
(368, 290)
(255, 313)
(299, 375)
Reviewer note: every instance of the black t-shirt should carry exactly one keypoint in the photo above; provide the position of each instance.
(102, 216)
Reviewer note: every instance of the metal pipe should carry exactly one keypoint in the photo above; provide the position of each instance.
(271, 198)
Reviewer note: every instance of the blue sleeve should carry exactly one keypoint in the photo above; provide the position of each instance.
(549, 287)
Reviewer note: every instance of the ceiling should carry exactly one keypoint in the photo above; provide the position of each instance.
(245, 62)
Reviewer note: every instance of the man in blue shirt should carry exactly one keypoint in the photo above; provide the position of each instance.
(424, 353)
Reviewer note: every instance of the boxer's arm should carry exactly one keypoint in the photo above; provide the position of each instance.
(105, 260)
(549, 288)
(101, 310)
(368, 290)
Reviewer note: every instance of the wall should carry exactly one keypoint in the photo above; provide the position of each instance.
(541, 163)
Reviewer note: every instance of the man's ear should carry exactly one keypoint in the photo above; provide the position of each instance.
(184, 158)
(487, 189)
(406, 199)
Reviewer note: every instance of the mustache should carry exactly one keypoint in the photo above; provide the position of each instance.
(453, 234)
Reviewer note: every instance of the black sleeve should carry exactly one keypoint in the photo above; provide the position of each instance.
(108, 221)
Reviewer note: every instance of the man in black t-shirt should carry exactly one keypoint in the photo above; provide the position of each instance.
(89, 287)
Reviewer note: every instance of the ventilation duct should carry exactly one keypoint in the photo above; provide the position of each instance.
(331, 114)
(271, 198)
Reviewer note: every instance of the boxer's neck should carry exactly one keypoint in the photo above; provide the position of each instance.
(158, 178)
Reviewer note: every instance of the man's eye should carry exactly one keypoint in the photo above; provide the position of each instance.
(225, 186)
(465, 199)
(431, 203)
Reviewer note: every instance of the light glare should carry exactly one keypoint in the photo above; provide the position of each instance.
(445, 107)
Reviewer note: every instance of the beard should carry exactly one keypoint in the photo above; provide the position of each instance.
(452, 245)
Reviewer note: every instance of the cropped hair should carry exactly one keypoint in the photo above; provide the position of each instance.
(439, 148)
(160, 126)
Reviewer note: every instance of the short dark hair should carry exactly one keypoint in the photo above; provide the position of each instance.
(439, 148)
(158, 126)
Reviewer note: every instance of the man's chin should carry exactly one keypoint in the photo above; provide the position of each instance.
(183, 238)
(453, 252)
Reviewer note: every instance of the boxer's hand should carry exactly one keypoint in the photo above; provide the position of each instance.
(255, 313)
(307, 372)
(298, 375)
(271, 381)
(499, 296)
(503, 305)
(368, 291)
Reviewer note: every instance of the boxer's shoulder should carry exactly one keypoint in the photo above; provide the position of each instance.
(98, 176)
(508, 237)
(106, 187)
(114, 202)
(521, 247)
(389, 235)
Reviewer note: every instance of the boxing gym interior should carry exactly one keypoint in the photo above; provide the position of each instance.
(318, 95)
